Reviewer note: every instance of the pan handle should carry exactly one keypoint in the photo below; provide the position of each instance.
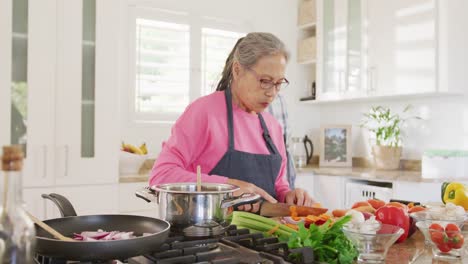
(246, 198)
(147, 194)
(63, 204)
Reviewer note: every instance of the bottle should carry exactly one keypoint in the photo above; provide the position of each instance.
(17, 233)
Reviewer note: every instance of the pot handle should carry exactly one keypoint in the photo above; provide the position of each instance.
(147, 194)
(246, 198)
(63, 204)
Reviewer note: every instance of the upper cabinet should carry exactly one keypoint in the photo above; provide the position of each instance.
(402, 45)
(60, 63)
(369, 49)
(341, 49)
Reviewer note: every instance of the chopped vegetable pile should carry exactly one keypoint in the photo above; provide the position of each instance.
(102, 235)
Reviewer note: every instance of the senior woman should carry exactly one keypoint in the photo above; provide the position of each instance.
(228, 133)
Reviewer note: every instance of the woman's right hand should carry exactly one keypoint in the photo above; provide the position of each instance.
(246, 187)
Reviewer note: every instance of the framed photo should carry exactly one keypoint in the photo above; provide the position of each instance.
(335, 146)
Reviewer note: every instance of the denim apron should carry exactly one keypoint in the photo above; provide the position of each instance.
(259, 169)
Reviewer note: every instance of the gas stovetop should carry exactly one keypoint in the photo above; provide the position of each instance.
(234, 246)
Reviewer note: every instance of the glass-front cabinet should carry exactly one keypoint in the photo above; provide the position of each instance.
(342, 50)
(388, 48)
(58, 95)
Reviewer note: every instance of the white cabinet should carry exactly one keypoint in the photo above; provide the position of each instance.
(423, 192)
(341, 56)
(402, 45)
(329, 191)
(306, 181)
(130, 204)
(62, 61)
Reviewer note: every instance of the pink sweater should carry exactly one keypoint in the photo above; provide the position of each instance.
(200, 137)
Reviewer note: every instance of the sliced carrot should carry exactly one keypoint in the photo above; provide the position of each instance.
(273, 230)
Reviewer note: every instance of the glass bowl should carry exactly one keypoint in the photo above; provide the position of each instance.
(437, 215)
(446, 244)
(373, 248)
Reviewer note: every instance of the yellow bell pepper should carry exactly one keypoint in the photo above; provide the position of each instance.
(456, 193)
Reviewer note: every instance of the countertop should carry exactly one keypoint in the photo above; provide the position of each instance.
(371, 174)
(412, 251)
(362, 173)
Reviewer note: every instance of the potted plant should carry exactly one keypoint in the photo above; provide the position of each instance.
(386, 129)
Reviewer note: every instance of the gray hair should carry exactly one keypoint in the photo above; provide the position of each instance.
(248, 50)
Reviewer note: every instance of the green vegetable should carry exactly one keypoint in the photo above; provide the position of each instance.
(257, 223)
(328, 241)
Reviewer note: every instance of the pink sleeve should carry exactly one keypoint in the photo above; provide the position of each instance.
(281, 184)
(187, 141)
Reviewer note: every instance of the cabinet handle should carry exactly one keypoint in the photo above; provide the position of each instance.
(44, 165)
(66, 160)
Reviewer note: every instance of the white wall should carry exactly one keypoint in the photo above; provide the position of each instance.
(276, 16)
(445, 124)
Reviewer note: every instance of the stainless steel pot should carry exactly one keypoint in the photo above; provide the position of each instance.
(203, 213)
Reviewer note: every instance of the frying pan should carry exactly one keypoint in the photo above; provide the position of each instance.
(48, 246)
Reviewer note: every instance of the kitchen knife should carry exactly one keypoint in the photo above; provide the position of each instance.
(283, 209)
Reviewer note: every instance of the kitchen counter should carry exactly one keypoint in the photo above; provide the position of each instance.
(130, 178)
(371, 174)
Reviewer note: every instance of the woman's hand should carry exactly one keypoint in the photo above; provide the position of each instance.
(246, 187)
(299, 196)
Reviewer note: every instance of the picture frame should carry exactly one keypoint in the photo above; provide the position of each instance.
(335, 146)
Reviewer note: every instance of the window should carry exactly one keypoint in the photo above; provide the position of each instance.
(162, 67)
(174, 59)
(216, 46)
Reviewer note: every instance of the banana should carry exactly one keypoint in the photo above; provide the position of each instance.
(144, 149)
(131, 148)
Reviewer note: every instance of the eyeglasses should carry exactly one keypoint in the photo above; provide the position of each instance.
(267, 84)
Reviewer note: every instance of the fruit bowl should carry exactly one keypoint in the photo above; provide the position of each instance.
(446, 237)
(130, 163)
(373, 247)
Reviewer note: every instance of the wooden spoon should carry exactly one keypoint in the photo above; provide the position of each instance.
(49, 229)
(198, 178)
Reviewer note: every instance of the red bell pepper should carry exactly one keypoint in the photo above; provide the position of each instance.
(396, 216)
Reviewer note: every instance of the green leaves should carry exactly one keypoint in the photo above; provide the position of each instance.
(385, 125)
(328, 241)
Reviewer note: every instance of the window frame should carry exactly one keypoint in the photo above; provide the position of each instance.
(195, 23)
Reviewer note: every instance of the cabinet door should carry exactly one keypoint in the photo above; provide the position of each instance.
(329, 191)
(92, 199)
(27, 46)
(306, 182)
(36, 205)
(402, 46)
(342, 49)
(86, 98)
(423, 192)
(130, 204)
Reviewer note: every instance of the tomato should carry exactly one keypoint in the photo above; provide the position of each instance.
(359, 204)
(397, 204)
(444, 247)
(456, 241)
(416, 209)
(436, 227)
(376, 203)
(452, 230)
(439, 238)
(394, 216)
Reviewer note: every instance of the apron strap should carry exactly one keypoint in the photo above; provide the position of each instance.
(228, 96)
(266, 136)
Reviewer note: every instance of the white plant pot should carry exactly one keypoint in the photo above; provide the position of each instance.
(386, 158)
